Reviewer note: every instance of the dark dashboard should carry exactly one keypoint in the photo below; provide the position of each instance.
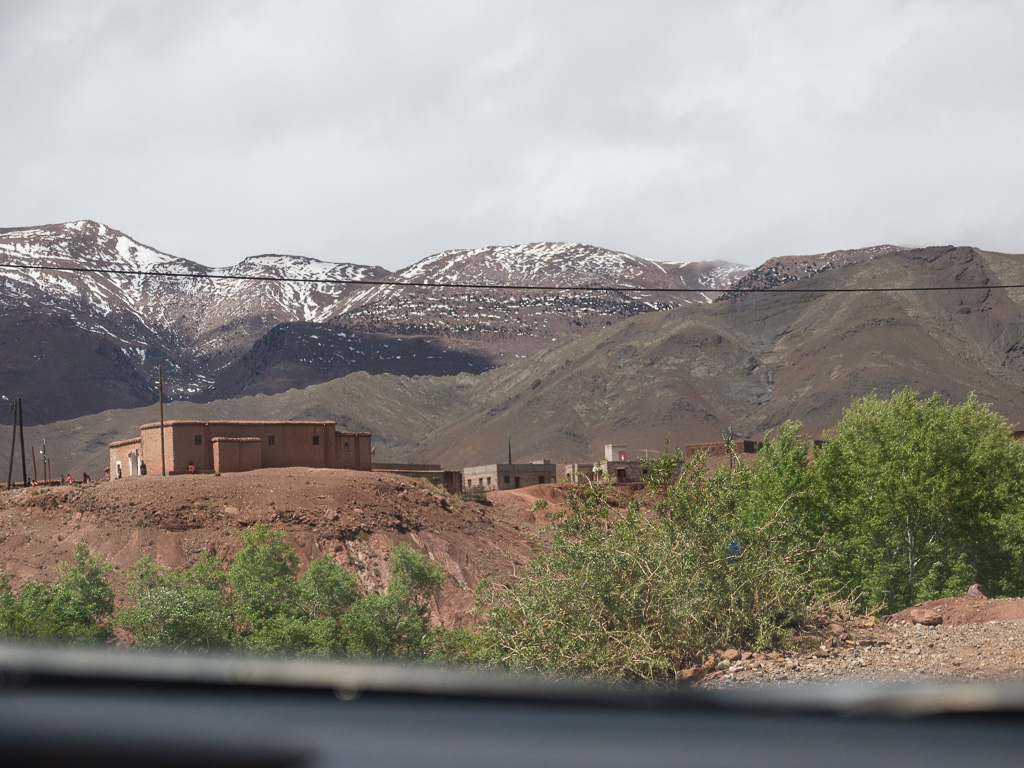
(117, 708)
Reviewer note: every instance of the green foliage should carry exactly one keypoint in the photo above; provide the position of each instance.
(179, 610)
(396, 622)
(326, 591)
(925, 498)
(628, 594)
(263, 575)
(76, 608)
(662, 470)
(258, 604)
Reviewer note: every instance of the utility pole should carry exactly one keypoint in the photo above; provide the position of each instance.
(509, 447)
(35, 470)
(21, 430)
(46, 464)
(163, 459)
(14, 434)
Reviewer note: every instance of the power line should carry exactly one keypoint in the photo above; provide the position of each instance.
(499, 286)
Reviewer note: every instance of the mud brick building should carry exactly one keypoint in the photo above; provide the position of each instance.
(502, 477)
(718, 454)
(449, 479)
(238, 446)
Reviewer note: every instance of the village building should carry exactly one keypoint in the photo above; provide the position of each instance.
(502, 477)
(574, 472)
(449, 479)
(238, 446)
(617, 467)
(717, 454)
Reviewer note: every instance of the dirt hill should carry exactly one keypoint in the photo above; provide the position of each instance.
(355, 516)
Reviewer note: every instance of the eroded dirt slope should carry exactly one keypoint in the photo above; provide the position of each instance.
(354, 516)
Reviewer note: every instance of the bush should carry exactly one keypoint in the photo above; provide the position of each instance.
(629, 594)
(395, 623)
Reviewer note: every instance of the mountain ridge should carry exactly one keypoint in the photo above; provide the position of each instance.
(216, 337)
(740, 366)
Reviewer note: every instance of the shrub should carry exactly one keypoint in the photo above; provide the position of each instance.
(635, 594)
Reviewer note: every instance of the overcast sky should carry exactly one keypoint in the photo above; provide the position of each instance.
(382, 132)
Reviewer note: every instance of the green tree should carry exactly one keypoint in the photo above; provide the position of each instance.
(263, 575)
(395, 623)
(278, 612)
(76, 608)
(180, 610)
(920, 499)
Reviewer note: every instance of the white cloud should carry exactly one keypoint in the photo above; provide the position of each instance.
(382, 132)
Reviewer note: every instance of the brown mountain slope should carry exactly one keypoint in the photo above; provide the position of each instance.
(751, 363)
(743, 365)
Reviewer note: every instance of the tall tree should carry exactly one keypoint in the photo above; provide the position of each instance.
(921, 498)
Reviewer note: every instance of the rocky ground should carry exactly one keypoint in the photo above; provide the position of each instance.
(961, 638)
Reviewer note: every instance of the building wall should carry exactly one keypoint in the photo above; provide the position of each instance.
(622, 472)
(503, 477)
(614, 452)
(719, 454)
(121, 454)
(449, 479)
(573, 472)
(236, 454)
(352, 450)
(280, 444)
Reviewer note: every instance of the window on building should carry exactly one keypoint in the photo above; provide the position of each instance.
(316, 439)
(507, 479)
(346, 445)
(270, 440)
(488, 479)
(199, 439)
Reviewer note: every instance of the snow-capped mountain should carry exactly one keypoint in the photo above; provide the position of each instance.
(522, 321)
(785, 269)
(89, 335)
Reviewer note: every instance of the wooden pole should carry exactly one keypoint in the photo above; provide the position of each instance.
(163, 459)
(14, 435)
(21, 430)
(35, 471)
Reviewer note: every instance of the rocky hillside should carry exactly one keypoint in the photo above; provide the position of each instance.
(81, 333)
(741, 366)
(786, 269)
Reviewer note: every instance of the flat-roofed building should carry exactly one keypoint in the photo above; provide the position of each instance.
(238, 446)
(449, 479)
(717, 454)
(503, 477)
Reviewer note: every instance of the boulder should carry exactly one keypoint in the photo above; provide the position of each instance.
(927, 617)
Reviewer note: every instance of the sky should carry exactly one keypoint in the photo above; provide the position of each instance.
(382, 132)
